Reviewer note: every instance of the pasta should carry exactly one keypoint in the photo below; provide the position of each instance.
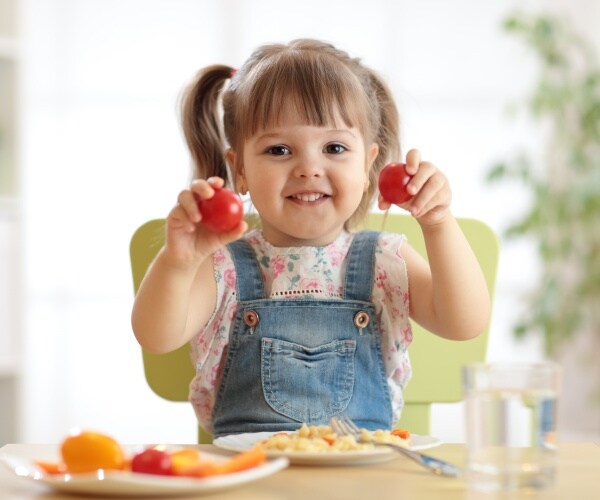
(322, 439)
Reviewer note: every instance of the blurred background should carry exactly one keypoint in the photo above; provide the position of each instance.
(90, 147)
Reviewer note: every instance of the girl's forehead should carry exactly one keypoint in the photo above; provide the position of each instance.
(291, 115)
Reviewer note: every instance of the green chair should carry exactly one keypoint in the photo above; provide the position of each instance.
(436, 362)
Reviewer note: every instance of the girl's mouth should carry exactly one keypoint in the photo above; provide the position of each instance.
(308, 197)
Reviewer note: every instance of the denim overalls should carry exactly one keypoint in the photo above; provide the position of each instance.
(294, 361)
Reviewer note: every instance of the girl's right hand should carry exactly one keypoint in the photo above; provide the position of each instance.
(188, 242)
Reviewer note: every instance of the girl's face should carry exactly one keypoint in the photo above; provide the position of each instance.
(305, 181)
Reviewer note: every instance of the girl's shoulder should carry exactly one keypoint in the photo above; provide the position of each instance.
(390, 243)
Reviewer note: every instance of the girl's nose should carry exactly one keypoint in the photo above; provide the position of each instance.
(308, 167)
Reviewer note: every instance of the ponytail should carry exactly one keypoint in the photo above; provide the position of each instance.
(201, 122)
(388, 132)
(385, 132)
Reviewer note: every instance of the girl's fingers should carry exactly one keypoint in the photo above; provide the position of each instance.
(433, 190)
(382, 204)
(187, 201)
(425, 171)
(186, 214)
(178, 219)
(216, 181)
(204, 187)
(439, 201)
(413, 161)
(429, 187)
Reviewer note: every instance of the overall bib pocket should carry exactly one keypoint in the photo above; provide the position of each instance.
(307, 384)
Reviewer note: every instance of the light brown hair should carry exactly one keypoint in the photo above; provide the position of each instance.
(320, 81)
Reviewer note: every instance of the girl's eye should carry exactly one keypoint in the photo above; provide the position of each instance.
(335, 149)
(278, 150)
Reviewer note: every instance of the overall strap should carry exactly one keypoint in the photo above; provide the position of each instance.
(249, 279)
(358, 282)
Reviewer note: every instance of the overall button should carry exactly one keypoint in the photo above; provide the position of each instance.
(251, 318)
(361, 319)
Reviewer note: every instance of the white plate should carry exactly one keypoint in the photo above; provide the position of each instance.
(242, 442)
(118, 483)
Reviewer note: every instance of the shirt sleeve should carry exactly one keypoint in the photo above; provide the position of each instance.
(391, 298)
(210, 344)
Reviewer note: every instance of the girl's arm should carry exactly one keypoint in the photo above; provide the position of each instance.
(178, 293)
(172, 304)
(448, 293)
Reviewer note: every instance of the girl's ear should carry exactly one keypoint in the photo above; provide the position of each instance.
(371, 156)
(372, 153)
(239, 180)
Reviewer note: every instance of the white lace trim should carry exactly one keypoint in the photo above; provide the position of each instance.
(303, 293)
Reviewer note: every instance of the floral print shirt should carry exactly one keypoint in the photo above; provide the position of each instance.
(309, 272)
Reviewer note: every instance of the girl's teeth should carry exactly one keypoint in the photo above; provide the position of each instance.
(308, 197)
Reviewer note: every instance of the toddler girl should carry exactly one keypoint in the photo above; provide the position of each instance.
(306, 317)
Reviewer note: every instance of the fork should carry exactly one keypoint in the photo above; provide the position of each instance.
(344, 426)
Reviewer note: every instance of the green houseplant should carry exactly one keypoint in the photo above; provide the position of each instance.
(563, 217)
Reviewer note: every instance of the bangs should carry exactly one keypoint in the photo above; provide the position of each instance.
(319, 90)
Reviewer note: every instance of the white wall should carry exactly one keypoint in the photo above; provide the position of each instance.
(102, 152)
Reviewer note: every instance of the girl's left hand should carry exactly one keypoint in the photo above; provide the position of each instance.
(431, 194)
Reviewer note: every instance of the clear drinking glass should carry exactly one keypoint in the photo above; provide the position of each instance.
(511, 413)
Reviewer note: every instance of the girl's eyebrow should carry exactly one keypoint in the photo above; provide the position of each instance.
(343, 131)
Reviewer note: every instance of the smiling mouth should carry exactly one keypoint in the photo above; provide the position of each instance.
(308, 197)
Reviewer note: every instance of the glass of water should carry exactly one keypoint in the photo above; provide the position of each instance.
(511, 412)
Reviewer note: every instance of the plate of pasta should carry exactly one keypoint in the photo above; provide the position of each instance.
(312, 445)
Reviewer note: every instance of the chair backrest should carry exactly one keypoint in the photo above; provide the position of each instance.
(436, 362)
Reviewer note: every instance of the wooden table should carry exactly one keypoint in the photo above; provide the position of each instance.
(578, 479)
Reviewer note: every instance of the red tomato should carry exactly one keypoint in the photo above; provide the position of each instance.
(392, 183)
(152, 461)
(223, 212)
